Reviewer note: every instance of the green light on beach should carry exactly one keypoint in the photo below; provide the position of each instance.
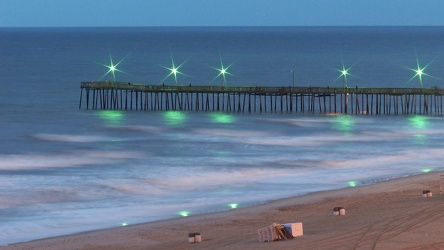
(222, 118)
(112, 117)
(124, 224)
(233, 205)
(175, 117)
(352, 184)
(426, 170)
(184, 213)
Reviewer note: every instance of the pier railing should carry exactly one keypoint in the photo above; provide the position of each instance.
(346, 100)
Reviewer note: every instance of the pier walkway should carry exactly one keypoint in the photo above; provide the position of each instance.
(338, 100)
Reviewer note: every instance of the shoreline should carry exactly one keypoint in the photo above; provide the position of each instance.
(389, 214)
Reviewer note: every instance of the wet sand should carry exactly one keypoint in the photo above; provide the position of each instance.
(385, 215)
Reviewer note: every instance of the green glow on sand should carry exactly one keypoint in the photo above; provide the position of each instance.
(222, 117)
(184, 213)
(426, 170)
(112, 68)
(175, 117)
(352, 183)
(112, 117)
(223, 71)
(124, 224)
(233, 205)
(174, 70)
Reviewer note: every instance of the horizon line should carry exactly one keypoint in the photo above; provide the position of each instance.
(218, 26)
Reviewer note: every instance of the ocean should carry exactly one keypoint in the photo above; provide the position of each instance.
(65, 170)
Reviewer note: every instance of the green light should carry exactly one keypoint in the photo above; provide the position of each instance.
(184, 213)
(426, 170)
(175, 117)
(419, 72)
(223, 71)
(112, 68)
(124, 224)
(174, 70)
(344, 123)
(112, 117)
(233, 205)
(419, 122)
(352, 184)
(222, 118)
(344, 72)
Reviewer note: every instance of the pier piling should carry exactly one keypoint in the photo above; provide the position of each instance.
(252, 99)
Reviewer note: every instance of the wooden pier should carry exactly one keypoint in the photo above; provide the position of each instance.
(255, 99)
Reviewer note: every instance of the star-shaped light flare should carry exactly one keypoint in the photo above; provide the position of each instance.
(112, 68)
(344, 72)
(174, 70)
(223, 71)
(419, 72)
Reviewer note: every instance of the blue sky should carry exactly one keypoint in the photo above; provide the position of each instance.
(62, 13)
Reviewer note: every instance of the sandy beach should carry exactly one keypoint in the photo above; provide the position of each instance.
(385, 215)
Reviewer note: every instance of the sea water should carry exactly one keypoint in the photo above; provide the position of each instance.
(65, 170)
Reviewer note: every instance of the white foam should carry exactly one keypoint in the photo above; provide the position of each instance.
(231, 133)
(141, 128)
(70, 138)
(60, 160)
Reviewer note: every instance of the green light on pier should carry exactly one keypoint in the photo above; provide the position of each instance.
(223, 71)
(112, 68)
(174, 70)
(343, 73)
(419, 72)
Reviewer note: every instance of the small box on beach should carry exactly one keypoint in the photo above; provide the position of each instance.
(294, 228)
(267, 234)
(338, 211)
(426, 193)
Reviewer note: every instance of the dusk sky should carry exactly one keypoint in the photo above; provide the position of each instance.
(50, 13)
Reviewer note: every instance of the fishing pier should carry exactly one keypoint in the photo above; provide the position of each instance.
(257, 99)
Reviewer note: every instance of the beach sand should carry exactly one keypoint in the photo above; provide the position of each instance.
(386, 215)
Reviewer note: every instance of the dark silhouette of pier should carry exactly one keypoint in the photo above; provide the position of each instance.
(254, 99)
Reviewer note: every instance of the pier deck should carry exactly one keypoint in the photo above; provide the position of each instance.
(363, 101)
